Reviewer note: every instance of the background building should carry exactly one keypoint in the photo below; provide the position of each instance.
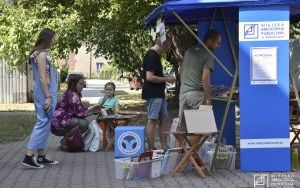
(84, 62)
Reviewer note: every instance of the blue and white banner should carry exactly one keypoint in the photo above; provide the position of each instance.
(264, 88)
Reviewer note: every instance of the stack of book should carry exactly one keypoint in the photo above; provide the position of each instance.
(140, 168)
(225, 158)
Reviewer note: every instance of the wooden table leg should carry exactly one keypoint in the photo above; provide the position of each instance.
(188, 151)
(183, 160)
(296, 135)
(190, 155)
(198, 163)
(198, 158)
(197, 166)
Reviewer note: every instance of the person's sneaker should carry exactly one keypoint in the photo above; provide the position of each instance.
(42, 159)
(30, 162)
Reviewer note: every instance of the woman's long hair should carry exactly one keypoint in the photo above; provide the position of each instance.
(44, 40)
(73, 79)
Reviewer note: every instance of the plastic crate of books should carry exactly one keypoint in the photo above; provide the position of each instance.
(225, 158)
(171, 159)
(126, 169)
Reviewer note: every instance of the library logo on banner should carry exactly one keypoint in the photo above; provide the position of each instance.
(129, 143)
(251, 31)
(261, 181)
(264, 31)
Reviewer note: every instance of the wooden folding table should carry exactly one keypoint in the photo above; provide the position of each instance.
(294, 121)
(295, 129)
(116, 120)
(190, 143)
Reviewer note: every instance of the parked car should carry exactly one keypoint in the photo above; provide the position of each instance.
(79, 73)
(135, 83)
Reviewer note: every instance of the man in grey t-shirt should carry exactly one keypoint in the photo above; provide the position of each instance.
(197, 66)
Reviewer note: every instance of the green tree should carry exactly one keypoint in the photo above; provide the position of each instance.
(121, 35)
(113, 28)
(294, 30)
(21, 22)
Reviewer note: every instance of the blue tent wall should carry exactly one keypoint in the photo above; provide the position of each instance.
(220, 77)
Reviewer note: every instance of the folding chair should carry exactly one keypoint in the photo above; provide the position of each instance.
(200, 125)
(294, 121)
(194, 142)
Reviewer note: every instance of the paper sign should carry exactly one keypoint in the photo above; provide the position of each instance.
(263, 65)
(153, 33)
(155, 170)
(157, 153)
(175, 124)
(158, 22)
(162, 33)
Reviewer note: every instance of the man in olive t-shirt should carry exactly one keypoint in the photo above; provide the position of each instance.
(197, 66)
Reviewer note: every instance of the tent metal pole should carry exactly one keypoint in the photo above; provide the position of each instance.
(229, 38)
(213, 19)
(230, 95)
(190, 30)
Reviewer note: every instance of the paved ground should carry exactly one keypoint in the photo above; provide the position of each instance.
(88, 170)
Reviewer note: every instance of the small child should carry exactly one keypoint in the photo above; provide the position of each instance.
(109, 103)
(109, 106)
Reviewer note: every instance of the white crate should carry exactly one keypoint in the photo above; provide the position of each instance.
(127, 170)
(171, 159)
(225, 158)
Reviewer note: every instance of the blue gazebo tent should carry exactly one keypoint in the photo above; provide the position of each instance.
(192, 11)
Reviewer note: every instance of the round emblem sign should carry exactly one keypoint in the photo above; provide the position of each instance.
(129, 143)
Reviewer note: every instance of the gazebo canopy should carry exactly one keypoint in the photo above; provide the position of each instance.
(192, 11)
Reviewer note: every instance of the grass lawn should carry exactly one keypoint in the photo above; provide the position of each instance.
(15, 127)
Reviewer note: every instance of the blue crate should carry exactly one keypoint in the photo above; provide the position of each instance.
(129, 141)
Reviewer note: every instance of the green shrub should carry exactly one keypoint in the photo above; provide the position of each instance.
(109, 73)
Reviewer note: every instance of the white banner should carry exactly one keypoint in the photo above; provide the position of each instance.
(265, 143)
(264, 31)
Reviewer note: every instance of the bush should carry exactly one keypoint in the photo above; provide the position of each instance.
(109, 73)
